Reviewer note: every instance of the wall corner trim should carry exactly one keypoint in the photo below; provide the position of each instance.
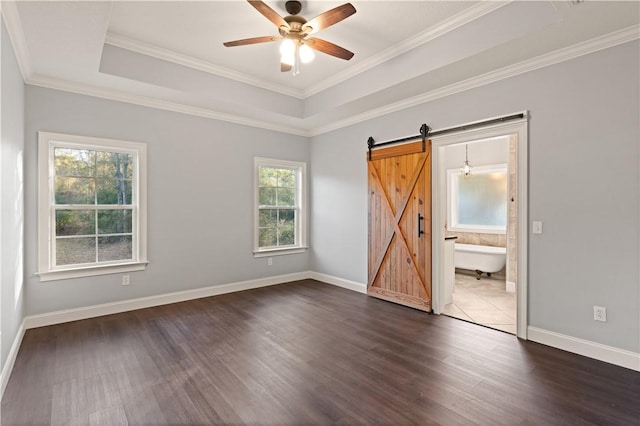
(11, 359)
(339, 282)
(610, 354)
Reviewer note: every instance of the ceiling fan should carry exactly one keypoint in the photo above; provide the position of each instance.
(294, 30)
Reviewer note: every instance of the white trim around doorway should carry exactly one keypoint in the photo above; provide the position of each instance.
(519, 128)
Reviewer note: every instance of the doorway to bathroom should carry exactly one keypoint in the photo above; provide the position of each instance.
(480, 226)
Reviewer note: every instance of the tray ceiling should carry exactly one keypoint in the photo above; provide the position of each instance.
(170, 55)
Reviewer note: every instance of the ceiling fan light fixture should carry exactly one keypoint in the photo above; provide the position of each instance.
(306, 54)
(296, 48)
(288, 52)
(287, 47)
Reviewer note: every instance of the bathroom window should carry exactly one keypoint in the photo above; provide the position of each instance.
(478, 202)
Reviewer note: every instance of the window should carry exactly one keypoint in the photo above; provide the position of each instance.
(478, 202)
(92, 206)
(280, 207)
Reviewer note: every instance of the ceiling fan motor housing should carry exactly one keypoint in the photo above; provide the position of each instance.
(294, 20)
(293, 7)
(296, 28)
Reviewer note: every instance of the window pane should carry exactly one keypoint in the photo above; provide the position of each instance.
(286, 227)
(286, 197)
(114, 248)
(286, 178)
(286, 217)
(116, 165)
(268, 176)
(114, 191)
(71, 190)
(114, 221)
(267, 196)
(482, 199)
(267, 218)
(267, 237)
(75, 222)
(71, 251)
(74, 162)
(286, 235)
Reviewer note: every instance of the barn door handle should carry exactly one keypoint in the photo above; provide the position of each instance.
(420, 219)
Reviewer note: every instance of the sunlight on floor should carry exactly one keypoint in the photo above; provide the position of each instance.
(483, 302)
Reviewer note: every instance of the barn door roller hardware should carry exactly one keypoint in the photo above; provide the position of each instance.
(424, 133)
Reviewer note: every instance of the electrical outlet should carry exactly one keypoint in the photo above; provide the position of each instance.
(536, 228)
(126, 280)
(600, 313)
(270, 261)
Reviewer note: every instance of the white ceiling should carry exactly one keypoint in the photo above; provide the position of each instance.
(169, 54)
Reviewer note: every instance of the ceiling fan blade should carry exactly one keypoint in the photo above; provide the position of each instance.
(328, 48)
(329, 18)
(253, 40)
(285, 67)
(269, 13)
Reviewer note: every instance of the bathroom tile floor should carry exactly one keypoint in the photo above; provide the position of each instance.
(484, 302)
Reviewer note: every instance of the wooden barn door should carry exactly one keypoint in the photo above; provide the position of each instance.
(400, 225)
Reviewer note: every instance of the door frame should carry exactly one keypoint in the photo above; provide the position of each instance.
(439, 208)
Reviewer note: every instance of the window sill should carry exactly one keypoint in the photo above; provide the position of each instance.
(65, 274)
(279, 251)
(478, 229)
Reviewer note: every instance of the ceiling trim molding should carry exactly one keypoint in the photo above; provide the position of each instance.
(113, 95)
(456, 21)
(124, 42)
(11, 18)
(425, 36)
(590, 46)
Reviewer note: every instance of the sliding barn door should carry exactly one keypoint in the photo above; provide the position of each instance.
(400, 225)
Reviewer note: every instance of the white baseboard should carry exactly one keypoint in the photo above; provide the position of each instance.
(587, 348)
(11, 359)
(58, 317)
(510, 287)
(340, 282)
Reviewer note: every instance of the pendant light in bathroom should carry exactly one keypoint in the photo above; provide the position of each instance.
(466, 169)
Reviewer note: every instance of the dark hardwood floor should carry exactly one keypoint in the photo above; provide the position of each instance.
(304, 353)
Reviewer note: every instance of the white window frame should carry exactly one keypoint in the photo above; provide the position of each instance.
(47, 142)
(301, 207)
(453, 177)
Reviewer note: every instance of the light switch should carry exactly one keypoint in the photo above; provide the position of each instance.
(537, 227)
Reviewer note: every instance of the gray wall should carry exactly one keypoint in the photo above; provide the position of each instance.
(583, 178)
(200, 198)
(12, 200)
(583, 183)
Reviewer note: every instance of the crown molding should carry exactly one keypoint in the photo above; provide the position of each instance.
(425, 36)
(456, 21)
(590, 46)
(11, 19)
(66, 86)
(561, 55)
(123, 42)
